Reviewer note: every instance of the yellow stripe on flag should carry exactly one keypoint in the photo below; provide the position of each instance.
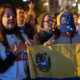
(61, 60)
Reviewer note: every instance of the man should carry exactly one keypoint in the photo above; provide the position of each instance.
(20, 17)
(76, 21)
(22, 25)
(26, 29)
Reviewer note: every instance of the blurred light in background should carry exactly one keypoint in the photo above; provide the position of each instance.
(25, 0)
(79, 8)
(74, 5)
(46, 4)
(76, 0)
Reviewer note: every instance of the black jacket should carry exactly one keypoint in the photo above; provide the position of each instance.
(8, 62)
(29, 31)
(41, 37)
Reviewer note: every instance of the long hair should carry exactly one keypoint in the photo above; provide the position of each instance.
(46, 14)
(2, 32)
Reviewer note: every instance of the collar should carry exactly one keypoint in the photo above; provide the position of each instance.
(12, 31)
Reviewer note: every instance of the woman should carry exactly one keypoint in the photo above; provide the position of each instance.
(45, 30)
(13, 55)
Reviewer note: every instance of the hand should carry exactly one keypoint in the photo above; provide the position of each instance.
(18, 48)
(49, 43)
(21, 46)
(30, 43)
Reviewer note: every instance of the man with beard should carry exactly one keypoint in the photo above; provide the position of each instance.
(24, 27)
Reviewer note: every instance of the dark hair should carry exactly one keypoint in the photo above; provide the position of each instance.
(21, 7)
(43, 18)
(2, 32)
(56, 14)
(2, 9)
(56, 33)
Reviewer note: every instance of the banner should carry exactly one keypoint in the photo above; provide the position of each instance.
(56, 62)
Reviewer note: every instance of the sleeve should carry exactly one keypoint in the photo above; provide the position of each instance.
(29, 30)
(37, 39)
(41, 37)
(6, 63)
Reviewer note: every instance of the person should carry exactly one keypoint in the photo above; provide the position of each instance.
(32, 16)
(45, 30)
(76, 21)
(54, 20)
(55, 29)
(24, 27)
(67, 28)
(26, 15)
(79, 25)
(13, 54)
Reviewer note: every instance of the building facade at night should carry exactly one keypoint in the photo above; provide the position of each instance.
(64, 3)
(54, 5)
(57, 5)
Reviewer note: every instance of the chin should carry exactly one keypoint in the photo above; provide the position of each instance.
(11, 27)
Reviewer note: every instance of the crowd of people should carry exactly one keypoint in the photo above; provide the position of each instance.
(19, 28)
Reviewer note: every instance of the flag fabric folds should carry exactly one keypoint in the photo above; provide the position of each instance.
(56, 62)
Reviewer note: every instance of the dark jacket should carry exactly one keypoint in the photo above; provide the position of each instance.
(41, 37)
(7, 63)
(29, 31)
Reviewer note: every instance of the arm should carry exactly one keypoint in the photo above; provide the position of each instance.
(7, 61)
(29, 30)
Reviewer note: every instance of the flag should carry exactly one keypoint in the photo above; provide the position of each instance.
(56, 62)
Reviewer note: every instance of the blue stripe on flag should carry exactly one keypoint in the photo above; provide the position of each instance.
(75, 78)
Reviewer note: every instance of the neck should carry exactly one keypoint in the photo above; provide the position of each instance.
(12, 31)
(21, 24)
(65, 34)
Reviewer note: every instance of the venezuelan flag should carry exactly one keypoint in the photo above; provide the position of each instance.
(56, 62)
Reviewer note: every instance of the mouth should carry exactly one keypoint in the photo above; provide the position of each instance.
(11, 22)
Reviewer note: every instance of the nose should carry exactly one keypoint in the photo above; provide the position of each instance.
(22, 14)
(51, 22)
(50, 28)
(11, 17)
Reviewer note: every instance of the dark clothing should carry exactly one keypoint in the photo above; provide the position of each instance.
(5, 64)
(41, 37)
(29, 31)
(56, 33)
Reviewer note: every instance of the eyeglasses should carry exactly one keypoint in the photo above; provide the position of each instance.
(49, 20)
(8, 16)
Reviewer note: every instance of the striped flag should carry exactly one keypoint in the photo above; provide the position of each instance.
(56, 62)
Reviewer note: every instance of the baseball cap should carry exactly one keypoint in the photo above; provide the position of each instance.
(66, 22)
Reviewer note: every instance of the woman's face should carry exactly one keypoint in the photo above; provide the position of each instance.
(8, 19)
(75, 18)
(47, 23)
